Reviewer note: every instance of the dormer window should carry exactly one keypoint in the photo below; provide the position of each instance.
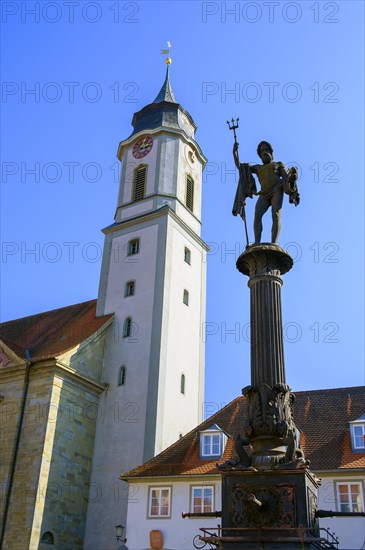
(357, 428)
(212, 442)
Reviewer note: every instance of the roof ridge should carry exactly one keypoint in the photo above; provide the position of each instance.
(47, 311)
(329, 390)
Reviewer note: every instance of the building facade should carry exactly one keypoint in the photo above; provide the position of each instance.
(153, 281)
(184, 479)
(115, 406)
(51, 372)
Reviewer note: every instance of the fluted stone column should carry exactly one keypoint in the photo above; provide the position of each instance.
(264, 263)
(270, 424)
(268, 495)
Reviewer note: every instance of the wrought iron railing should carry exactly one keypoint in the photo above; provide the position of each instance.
(214, 537)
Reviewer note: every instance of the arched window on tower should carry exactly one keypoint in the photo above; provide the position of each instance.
(122, 375)
(189, 193)
(47, 538)
(139, 183)
(182, 383)
(127, 327)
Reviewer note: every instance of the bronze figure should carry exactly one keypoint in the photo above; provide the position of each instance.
(275, 180)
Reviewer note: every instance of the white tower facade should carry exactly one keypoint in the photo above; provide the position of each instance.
(153, 279)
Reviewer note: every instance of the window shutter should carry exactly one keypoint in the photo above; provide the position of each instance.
(139, 183)
(189, 194)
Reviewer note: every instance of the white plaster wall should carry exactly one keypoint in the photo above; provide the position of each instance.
(135, 209)
(169, 150)
(188, 218)
(168, 164)
(349, 531)
(120, 434)
(120, 431)
(178, 533)
(179, 413)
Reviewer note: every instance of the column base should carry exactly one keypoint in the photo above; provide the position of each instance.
(269, 510)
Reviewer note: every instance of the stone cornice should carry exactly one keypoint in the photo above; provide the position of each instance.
(78, 378)
(165, 210)
(54, 366)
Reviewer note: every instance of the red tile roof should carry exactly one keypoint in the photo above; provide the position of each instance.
(52, 333)
(322, 416)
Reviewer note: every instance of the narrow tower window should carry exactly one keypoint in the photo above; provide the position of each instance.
(129, 288)
(186, 297)
(189, 193)
(139, 183)
(182, 384)
(133, 247)
(127, 327)
(187, 256)
(122, 375)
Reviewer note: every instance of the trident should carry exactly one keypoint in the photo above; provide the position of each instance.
(232, 125)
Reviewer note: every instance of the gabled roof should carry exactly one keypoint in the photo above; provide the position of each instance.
(322, 416)
(52, 333)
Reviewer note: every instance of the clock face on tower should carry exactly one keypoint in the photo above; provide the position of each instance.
(142, 147)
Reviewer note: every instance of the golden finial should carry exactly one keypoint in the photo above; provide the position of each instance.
(167, 52)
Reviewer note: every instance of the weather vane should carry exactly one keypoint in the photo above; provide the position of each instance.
(167, 52)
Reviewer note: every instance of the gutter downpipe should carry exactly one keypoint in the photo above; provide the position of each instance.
(16, 446)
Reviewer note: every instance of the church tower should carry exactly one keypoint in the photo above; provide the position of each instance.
(153, 281)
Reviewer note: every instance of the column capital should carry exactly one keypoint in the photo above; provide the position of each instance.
(264, 259)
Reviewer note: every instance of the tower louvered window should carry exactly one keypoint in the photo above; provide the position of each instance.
(139, 183)
(189, 193)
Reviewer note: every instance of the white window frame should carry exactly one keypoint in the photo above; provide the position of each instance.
(159, 489)
(211, 435)
(355, 425)
(130, 285)
(348, 485)
(187, 255)
(132, 245)
(203, 488)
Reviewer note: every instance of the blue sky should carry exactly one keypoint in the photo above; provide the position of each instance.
(291, 71)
